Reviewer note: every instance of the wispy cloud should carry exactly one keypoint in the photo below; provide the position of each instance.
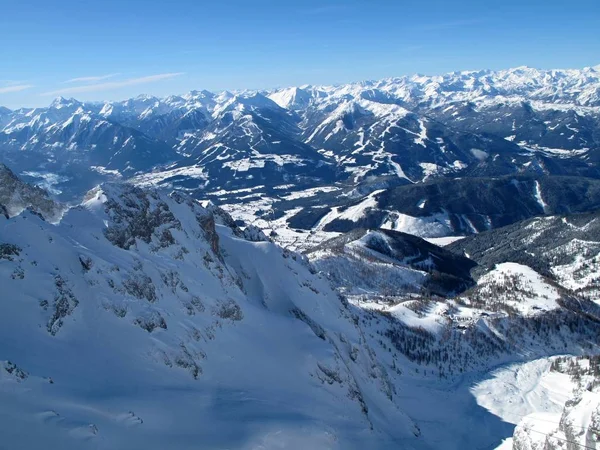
(12, 82)
(113, 84)
(91, 79)
(14, 88)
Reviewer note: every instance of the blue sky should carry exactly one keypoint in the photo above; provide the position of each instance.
(96, 50)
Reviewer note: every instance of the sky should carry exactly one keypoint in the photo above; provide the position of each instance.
(117, 49)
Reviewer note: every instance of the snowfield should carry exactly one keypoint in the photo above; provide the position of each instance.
(519, 390)
(569, 413)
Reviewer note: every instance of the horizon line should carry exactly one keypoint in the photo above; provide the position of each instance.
(596, 68)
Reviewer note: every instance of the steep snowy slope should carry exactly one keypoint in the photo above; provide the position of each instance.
(141, 321)
(147, 320)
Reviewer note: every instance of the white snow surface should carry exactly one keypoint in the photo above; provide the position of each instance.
(539, 198)
(434, 226)
(552, 410)
(532, 290)
(574, 425)
(518, 390)
(247, 348)
(444, 240)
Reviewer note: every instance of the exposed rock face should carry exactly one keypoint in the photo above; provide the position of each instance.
(13, 370)
(62, 305)
(15, 196)
(255, 234)
(135, 214)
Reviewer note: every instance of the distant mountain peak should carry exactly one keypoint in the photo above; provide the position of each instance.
(201, 93)
(291, 98)
(62, 102)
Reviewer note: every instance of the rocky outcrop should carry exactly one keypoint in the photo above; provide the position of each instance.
(136, 214)
(16, 196)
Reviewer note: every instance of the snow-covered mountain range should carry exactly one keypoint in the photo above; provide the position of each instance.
(412, 128)
(399, 263)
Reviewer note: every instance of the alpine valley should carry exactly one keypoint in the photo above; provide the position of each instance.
(405, 263)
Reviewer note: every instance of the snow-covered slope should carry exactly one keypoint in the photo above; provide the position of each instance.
(515, 287)
(518, 390)
(145, 320)
(564, 248)
(229, 342)
(390, 264)
(576, 424)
